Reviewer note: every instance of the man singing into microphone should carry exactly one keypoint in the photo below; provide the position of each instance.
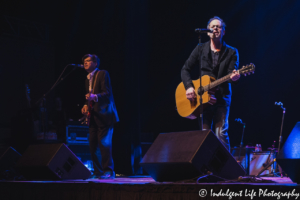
(103, 115)
(217, 60)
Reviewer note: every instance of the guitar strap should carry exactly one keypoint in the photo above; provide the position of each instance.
(95, 80)
(104, 106)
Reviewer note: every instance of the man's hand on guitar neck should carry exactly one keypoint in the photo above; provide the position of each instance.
(235, 75)
(91, 97)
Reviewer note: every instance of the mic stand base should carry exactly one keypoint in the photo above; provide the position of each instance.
(209, 178)
(241, 145)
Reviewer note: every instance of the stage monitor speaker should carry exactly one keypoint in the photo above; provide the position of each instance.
(289, 156)
(186, 155)
(8, 160)
(51, 162)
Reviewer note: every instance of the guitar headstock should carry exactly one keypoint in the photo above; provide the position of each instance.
(246, 70)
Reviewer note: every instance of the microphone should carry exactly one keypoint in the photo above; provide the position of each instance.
(203, 30)
(76, 65)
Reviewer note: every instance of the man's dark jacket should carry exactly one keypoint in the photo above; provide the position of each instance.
(104, 111)
(228, 61)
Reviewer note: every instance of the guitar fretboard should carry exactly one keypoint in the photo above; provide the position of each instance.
(217, 82)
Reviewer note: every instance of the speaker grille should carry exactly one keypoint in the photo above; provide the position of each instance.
(185, 155)
(51, 161)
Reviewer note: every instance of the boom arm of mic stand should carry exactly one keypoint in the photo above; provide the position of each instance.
(43, 99)
(58, 81)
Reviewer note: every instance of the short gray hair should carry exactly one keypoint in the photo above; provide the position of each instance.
(218, 18)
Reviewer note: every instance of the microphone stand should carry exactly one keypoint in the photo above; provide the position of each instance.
(280, 136)
(279, 143)
(42, 100)
(241, 144)
(200, 88)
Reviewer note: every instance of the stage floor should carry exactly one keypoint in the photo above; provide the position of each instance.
(149, 180)
(144, 187)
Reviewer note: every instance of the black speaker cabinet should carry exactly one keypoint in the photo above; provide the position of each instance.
(289, 156)
(51, 162)
(8, 159)
(186, 155)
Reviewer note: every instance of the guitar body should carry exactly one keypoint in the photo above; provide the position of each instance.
(191, 109)
(88, 116)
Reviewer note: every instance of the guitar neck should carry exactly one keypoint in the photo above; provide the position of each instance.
(89, 103)
(217, 82)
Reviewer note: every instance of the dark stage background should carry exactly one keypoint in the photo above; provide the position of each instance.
(143, 45)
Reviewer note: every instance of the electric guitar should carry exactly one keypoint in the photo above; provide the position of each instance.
(86, 118)
(191, 109)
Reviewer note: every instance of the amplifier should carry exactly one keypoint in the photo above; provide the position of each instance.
(258, 161)
(77, 134)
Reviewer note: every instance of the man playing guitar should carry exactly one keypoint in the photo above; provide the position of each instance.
(217, 60)
(101, 110)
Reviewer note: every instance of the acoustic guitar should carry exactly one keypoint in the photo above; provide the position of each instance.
(191, 109)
